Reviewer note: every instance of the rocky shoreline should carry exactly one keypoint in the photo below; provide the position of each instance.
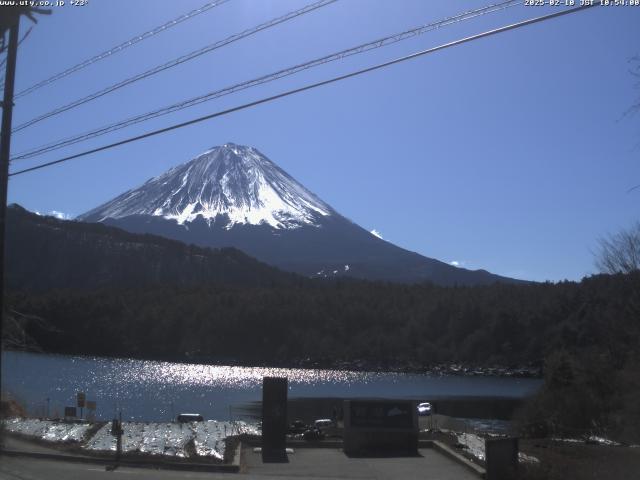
(441, 369)
(531, 370)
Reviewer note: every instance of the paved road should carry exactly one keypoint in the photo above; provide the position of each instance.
(14, 468)
(13, 443)
(319, 464)
(334, 464)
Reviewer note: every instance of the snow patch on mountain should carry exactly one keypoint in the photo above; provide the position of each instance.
(231, 183)
(55, 213)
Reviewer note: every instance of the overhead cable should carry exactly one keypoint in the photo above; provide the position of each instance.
(378, 43)
(184, 58)
(4, 60)
(132, 41)
(379, 66)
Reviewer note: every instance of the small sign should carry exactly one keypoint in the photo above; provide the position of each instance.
(81, 399)
(91, 404)
(70, 412)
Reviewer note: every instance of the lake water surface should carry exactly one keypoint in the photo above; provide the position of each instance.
(158, 391)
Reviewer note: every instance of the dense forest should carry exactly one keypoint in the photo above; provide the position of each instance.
(45, 253)
(329, 322)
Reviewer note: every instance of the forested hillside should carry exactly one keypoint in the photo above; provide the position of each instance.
(384, 325)
(44, 253)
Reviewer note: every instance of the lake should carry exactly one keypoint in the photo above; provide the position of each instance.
(158, 391)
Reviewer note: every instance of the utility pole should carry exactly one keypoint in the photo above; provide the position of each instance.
(5, 151)
(9, 20)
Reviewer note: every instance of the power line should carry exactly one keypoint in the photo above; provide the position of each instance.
(381, 42)
(132, 41)
(312, 86)
(182, 59)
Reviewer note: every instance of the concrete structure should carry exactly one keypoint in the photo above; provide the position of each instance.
(374, 427)
(274, 419)
(501, 458)
(327, 462)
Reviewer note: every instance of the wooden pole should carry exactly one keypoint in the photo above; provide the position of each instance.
(5, 151)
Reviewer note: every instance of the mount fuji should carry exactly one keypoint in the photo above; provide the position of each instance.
(234, 196)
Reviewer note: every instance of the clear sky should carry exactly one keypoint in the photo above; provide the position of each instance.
(510, 153)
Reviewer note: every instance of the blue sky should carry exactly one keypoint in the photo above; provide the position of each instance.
(511, 153)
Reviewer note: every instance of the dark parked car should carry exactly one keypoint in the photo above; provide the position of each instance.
(313, 434)
(298, 426)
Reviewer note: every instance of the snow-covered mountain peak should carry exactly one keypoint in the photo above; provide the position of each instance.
(231, 183)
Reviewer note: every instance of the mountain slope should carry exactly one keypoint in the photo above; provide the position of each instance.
(233, 195)
(234, 183)
(45, 253)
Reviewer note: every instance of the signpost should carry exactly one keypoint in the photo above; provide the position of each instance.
(69, 413)
(81, 401)
(117, 431)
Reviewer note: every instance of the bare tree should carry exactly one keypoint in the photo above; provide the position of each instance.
(620, 252)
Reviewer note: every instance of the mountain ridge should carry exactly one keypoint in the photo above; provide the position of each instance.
(46, 253)
(233, 195)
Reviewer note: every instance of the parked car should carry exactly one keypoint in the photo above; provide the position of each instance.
(323, 423)
(298, 426)
(189, 417)
(424, 409)
(313, 434)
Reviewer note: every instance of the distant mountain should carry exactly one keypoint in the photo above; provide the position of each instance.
(45, 252)
(234, 196)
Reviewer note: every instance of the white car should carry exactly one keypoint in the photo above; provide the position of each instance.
(323, 423)
(424, 408)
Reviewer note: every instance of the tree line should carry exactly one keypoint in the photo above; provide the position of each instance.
(329, 322)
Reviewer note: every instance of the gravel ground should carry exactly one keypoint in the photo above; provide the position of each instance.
(178, 440)
(545, 459)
